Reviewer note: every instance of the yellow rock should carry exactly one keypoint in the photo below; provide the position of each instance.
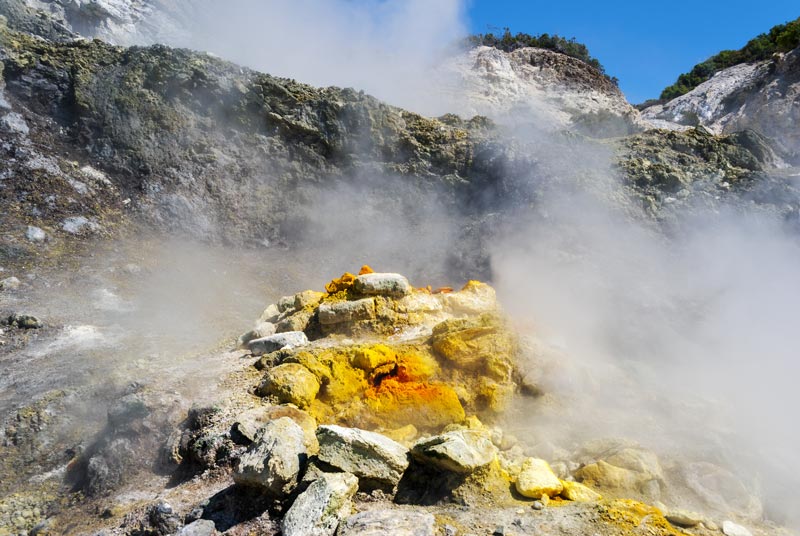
(370, 358)
(404, 435)
(536, 479)
(292, 383)
(605, 475)
(575, 491)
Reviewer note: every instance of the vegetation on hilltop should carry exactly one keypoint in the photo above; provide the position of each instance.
(569, 47)
(781, 38)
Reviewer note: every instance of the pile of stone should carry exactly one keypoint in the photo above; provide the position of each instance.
(376, 392)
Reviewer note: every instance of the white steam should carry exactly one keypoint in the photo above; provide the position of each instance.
(387, 48)
(686, 343)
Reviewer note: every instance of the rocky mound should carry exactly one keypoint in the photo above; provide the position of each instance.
(372, 408)
(760, 96)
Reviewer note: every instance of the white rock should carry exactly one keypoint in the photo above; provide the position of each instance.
(270, 314)
(35, 234)
(346, 311)
(201, 527)
(274, 461)
(388, 284)
(319, 509)
(264, 329)
(15, 123)
(272, 343)
(372, 457)
(461, 451)
(729, 528)
(79, 224)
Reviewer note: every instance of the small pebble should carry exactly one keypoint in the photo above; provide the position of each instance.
(537, 505)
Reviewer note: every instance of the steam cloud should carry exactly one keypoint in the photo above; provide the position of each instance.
(389, 49)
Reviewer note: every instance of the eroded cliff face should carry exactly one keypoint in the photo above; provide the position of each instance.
(531, 84)
(759, 96)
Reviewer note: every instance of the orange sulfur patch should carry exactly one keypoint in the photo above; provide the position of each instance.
(366, 270)
(340, 284)
(426, 405)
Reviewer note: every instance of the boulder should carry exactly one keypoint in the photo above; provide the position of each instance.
(338, 312)
(387, 522)
(247, 425)
(729, 528)
(9, 283)
(263, 329)
(307, 298)
(274, 461)
(290, 383)
(319, 509)
(35, 234)
(163, 518)
(460, 451)
(536, 479)
(577, 492)
(375, 459)
(295, 322)
(270, 314)
(201, 527)
(375, 284)
(272, 343)
(683, 518)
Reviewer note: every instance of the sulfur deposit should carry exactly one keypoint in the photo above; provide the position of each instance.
(376, 401)
(375, 406)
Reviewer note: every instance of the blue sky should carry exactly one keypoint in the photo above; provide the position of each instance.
(645, 44)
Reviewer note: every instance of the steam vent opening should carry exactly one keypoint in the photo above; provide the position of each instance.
(578, 316)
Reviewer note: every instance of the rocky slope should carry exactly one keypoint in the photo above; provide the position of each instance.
(530, 84)
(760, 96)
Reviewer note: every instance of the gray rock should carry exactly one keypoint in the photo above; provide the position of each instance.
(373, 458)
(274, 461)
(394, 285)
(388, 523)
(15, 123)
(272, 343)
(729, 528)
(270, 314)
(127, 409)
(461, 451)
(9, 283)
(263, 329)
(201, 527)
(78, 225)
(295, 322)
(285, 303)
(683, 518)
(163, 518)
(319, 509)
(346, 311)
(24, 321)
(35, 234)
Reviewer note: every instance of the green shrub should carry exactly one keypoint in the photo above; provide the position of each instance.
(569, 47)
(781, 38)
